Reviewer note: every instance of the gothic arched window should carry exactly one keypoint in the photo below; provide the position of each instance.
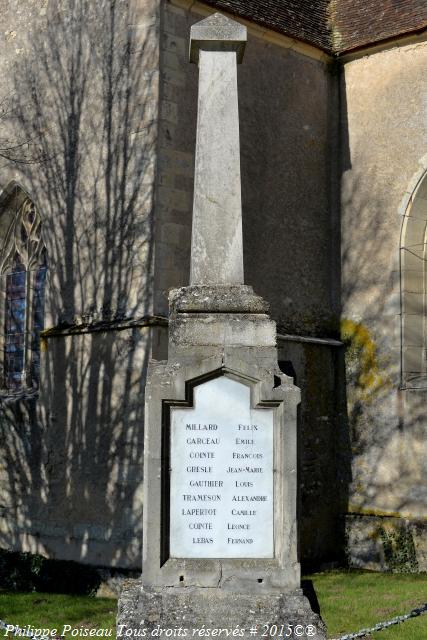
(23, 267)
(413, 285)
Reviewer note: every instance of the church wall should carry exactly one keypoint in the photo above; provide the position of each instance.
(384, 109)
(80, 81)
(323, 450)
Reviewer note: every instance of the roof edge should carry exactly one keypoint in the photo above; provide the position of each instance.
(405, 38)
(337, 49)
(261, 30)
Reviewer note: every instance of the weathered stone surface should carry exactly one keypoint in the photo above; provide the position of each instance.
(218, 299)
(382, 543)
(324, 449)
(222, 329)
(217, 243)
(217, 33)
(193, 608)
(383, 191)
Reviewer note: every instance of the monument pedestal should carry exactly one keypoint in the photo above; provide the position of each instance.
(195, 612)
(220, 450)
(220, 531)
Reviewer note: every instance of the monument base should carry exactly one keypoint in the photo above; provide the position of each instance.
(198, 612)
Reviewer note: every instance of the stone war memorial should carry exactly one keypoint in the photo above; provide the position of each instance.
(220, 458)
(98, 121)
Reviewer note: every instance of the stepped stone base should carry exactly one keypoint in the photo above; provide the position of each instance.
(195, 612)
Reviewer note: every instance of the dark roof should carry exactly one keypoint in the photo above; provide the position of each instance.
(336, 26)
(357, 23)
(302, 19)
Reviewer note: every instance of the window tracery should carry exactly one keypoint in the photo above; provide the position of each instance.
(23, 268)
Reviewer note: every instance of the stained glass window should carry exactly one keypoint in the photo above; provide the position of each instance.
(38, 322)
(23, 267)
(14, 330)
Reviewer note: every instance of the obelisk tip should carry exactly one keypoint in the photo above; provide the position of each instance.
(217, 33)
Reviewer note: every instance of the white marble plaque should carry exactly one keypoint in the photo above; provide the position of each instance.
(221, 495)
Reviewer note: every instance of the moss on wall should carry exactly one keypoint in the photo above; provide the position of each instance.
(364, 368)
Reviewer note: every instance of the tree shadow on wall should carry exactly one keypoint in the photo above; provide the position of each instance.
(83, 95)
(385, 424)
(369, 303)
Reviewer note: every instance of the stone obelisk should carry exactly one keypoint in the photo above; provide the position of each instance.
(217, 45)
(220, 459)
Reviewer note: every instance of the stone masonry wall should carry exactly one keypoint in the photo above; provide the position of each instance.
(324, 456)
(80, 91)
(384, 109)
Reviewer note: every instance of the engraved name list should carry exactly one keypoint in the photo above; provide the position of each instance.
(221, 502)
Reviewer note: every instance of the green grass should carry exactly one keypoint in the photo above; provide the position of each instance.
(349, 601)
(353, 600)
(54, 610)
